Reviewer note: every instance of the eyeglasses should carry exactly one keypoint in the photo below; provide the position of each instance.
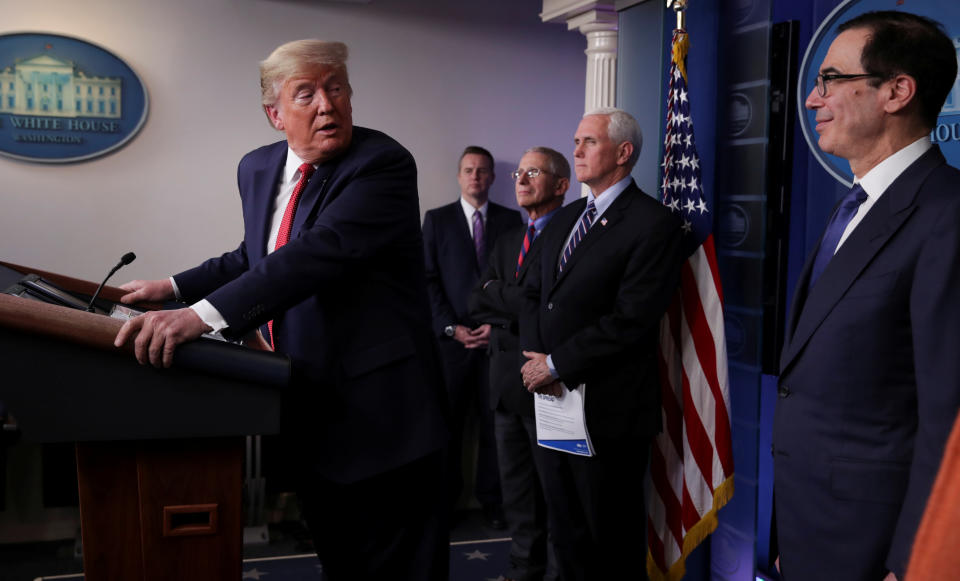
(530, 173)
(824, 79)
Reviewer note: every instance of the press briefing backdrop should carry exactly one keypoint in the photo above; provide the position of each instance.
(434, 74)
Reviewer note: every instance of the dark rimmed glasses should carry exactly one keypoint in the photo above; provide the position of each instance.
(825, 79)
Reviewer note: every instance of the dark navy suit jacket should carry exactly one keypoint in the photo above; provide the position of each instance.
(452, 268)
(870, 384)
(600, 317)
(348, 298)
(498, 299)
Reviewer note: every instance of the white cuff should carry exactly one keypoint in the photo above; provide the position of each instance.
(209, 315)
(553, 370)
(176, 291)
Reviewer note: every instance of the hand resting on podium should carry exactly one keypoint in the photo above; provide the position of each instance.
(157, 332)
(147, 290)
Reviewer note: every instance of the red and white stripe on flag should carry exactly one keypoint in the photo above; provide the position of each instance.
(691, 461)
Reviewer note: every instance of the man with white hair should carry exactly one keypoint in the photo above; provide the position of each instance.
(332, 262)
(609, 265)
(540, 182)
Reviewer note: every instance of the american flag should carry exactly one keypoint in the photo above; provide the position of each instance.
(691, 461)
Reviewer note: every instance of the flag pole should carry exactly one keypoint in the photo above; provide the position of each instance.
(680, 7)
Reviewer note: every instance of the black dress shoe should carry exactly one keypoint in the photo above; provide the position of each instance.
(493, 515)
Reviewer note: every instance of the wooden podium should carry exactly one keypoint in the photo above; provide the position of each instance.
(159, 452)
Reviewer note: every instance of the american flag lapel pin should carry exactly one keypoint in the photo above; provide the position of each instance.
(603, 221)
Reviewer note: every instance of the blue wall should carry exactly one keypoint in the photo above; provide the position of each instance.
(728, 72)
(731, 176)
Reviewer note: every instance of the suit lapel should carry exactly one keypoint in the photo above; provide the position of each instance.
(553, 246)
(532, 255)
(312, 199)
(266, 180)
(881, 223)
(491, 228)
(602, 225)
(463, 236)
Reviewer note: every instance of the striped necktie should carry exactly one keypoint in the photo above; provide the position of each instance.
(527, 241)
(585, 223)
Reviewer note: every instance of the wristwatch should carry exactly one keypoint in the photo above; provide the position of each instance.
(450, 330)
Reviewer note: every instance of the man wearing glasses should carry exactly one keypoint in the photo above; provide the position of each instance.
(869, 376)
(541, 180)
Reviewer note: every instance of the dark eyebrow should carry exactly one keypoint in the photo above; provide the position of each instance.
(829, 70)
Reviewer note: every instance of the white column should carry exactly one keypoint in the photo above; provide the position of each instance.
(598, 22)
(600, 28)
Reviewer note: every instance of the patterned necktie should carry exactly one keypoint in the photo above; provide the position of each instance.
(585, 223)
(527, 241)
(838, 223)
(479, 244)
(286, 224)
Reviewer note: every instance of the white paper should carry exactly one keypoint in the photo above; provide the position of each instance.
(561, 423)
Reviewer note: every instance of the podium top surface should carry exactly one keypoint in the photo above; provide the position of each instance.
(63, 381)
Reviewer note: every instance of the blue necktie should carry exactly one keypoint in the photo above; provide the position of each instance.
(828, 246)
(585, 223)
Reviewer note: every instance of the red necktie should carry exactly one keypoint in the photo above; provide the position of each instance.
(527, 241)
(286, 224)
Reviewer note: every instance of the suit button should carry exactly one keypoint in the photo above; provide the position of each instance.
(783, 391)
(549, 306)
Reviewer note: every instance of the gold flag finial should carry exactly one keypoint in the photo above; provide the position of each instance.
(680, 7)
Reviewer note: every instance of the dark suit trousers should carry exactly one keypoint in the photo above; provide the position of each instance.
(597, 511)
(466, 374)
(391, 527)
(523, 503)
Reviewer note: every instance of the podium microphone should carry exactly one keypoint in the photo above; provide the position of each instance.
(124, 260)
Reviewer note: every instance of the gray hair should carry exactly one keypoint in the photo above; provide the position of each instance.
(556, 163)
(297, 57)
(622, 127)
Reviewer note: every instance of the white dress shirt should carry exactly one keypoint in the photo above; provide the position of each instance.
(469, 210)
(876, 181)
(288, 182)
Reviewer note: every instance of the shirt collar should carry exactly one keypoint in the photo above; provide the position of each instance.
(292, 167)
(541, 222)
(468, 209)
(607, 196)
(877, 180)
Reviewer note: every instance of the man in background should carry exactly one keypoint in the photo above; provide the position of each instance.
(609, 265)
(540, 180)
(332, 260)
(457, 240)
(869, 376)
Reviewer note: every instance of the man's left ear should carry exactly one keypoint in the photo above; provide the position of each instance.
(274, 116)
(624, 151)
(903, 91)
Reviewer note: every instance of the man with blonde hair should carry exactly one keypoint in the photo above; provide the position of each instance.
(332, 262)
